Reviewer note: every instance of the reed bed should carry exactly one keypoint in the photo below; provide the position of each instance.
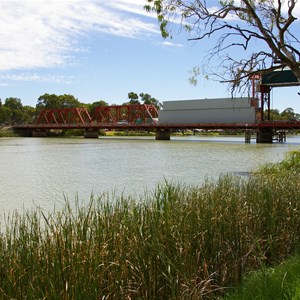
(178, 242)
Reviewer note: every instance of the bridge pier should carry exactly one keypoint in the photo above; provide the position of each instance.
(162, 134)
(280, 136)
(264, 136)
(248, 135)
(24, 132)
(91, 133)
(39, 132)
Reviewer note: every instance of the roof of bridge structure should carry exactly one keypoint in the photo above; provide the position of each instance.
(280, 78)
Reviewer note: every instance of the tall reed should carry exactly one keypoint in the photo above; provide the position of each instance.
(178, 242)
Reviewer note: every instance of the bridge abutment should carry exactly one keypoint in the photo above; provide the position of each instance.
(162, 134)
(91, 133)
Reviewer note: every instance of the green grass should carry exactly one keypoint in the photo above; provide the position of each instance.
(281, 282)
(179, 242)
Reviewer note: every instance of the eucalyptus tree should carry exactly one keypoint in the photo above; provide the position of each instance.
(92, 106)
(6, 115)
(290, 114)
(148, 99)
(143, 98)
(15, 109)
(134, 98)
(51, 101)
(249, 35)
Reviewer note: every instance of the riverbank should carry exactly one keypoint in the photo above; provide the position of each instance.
(177, 242)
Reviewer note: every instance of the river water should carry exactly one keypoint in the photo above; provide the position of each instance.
(44, 171)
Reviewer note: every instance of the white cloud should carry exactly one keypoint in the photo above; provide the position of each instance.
(170, 44)
(46, 33)
(132, 6)
(33, 77)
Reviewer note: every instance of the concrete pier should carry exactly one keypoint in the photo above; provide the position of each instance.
(39, 132)
(24, 132)
(91, 133)
(162, 134)
(248, 137)
(280, 136)
(264, 136)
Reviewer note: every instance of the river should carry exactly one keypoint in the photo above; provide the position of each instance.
(44, 171)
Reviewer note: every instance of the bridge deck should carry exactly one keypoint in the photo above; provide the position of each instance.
(206, 126)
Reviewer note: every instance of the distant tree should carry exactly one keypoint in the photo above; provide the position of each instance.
(29, 114)
(67, 100)
(13, 103)
(148, 99)
(5, 115)
(13, 112)
(134, 98)
(275, 115)
(48, 101)
(92, 107)
(16, 107)
(265, 32)
(51, 101)
(289, 114)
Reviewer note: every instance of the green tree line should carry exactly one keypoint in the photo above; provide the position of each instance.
(12, 111)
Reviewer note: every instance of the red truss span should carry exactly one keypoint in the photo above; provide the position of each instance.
(103, 115)
(64, 116)
(125, 114)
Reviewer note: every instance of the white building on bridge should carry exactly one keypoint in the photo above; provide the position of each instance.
(207, 111)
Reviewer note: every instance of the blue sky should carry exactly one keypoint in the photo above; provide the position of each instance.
(101, 50)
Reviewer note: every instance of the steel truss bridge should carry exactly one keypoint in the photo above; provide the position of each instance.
(134, 117)
(145, 117)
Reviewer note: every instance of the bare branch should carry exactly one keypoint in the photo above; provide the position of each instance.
(267, 23)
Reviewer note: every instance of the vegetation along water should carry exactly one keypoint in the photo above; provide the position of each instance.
(179, 242)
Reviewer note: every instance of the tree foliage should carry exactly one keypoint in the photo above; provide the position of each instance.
(133, 98)
(144, 98)
(264, 31)
(148, 99)
(51, 101)
(13, 112)
(287, 114)
(92, 106)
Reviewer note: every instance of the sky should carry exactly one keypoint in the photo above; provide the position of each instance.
(102, 50)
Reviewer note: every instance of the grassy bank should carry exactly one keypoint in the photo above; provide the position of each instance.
(179, 242)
